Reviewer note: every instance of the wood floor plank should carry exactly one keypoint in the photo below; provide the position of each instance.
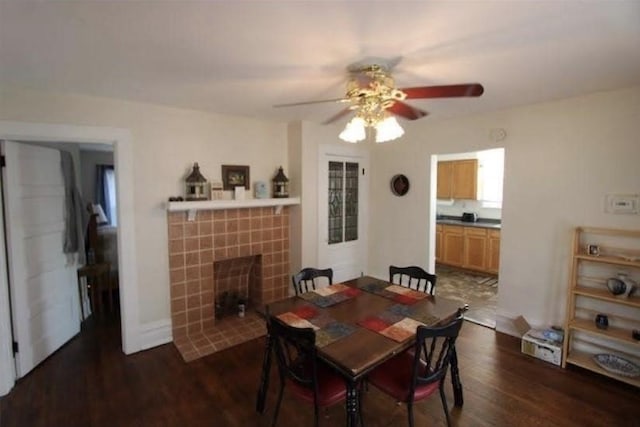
(90, 382)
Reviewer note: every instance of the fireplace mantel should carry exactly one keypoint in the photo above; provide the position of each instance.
(230, 204)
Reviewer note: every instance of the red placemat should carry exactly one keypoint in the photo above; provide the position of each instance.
(398, 322)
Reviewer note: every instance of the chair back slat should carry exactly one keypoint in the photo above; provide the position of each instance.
(305, 280)
(414, 278)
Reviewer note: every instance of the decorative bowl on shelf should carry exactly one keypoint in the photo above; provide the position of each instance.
(617, 365)
(616, 286)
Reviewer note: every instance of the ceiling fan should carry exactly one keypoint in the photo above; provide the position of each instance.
(372, 95)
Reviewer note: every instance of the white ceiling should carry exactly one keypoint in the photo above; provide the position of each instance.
(241, 57)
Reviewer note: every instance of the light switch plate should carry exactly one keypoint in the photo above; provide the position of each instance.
(622, 203)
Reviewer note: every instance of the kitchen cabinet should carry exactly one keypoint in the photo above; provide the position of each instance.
(458, 179)
(452, 245)
(445, 180)
(493, 251)
(438, 242)
(473, 248)
(600, 254)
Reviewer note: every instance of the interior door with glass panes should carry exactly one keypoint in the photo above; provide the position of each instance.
(342, 197)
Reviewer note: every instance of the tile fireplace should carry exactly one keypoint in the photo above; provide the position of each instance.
(225, 254)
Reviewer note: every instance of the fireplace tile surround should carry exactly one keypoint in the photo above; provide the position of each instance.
(196, 246)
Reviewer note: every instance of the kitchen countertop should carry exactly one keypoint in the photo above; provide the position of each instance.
(482, 222)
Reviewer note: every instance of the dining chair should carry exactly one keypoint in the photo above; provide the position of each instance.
(416, 278)
(308, 378)
(305, 280)
(415, 375)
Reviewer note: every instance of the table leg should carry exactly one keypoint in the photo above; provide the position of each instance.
(264, 376)
(352, 405)
(455, 379)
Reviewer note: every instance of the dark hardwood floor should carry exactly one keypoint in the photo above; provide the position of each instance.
(90, 382)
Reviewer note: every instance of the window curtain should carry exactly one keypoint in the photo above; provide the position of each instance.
(74, 224)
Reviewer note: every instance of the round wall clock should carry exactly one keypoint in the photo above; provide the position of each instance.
(399, 185)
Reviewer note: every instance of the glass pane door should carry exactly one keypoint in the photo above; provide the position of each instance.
(343, 202)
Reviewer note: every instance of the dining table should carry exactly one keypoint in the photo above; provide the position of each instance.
(364, 348)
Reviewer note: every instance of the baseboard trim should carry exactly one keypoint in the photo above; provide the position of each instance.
(156, 333)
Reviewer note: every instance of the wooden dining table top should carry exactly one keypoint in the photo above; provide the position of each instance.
(364, 349)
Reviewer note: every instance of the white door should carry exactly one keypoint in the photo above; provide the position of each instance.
(42, 284)
(343, 196)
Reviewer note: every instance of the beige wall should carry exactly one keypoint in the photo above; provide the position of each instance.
(561, 159)
(166, 142)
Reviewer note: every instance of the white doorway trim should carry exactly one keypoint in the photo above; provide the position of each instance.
(123, 156)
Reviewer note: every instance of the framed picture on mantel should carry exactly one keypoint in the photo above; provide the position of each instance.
(235, 176)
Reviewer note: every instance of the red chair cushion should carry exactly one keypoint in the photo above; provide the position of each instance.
(394, 378)
(332, 388)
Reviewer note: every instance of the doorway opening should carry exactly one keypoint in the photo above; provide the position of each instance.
(467, 198)
(120, 141)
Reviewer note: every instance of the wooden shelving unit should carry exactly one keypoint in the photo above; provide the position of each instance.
(617, 251)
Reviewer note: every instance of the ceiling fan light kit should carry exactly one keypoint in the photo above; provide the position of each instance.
(371, 92)
(372, 95)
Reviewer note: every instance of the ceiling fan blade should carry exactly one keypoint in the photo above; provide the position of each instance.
(408, 112)
(311, 102)
(447, 91)
(338, 116)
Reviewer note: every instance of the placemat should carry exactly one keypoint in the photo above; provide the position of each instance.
(327, 329)
(395, 292)
(398, 322)
(331, 295)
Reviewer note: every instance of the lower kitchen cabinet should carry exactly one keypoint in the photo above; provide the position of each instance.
(493, 251)
(452, 245)
(438, 242)
(473, 248)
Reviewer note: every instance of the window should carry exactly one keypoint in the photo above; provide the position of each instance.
(106, 192)
(343, 202)
(491, 175)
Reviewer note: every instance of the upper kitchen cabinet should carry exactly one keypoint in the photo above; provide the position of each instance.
(458, 179)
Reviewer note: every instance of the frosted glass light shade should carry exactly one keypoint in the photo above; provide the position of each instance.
(354, 131)
(388, 130)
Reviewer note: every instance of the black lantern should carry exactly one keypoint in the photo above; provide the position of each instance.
(195, 184)
(280, 185)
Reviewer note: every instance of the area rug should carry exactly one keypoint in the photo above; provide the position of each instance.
(480, 291)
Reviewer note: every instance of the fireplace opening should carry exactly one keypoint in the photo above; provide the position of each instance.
(237, 285)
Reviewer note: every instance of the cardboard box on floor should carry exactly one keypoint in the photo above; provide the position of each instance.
(534, 344)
